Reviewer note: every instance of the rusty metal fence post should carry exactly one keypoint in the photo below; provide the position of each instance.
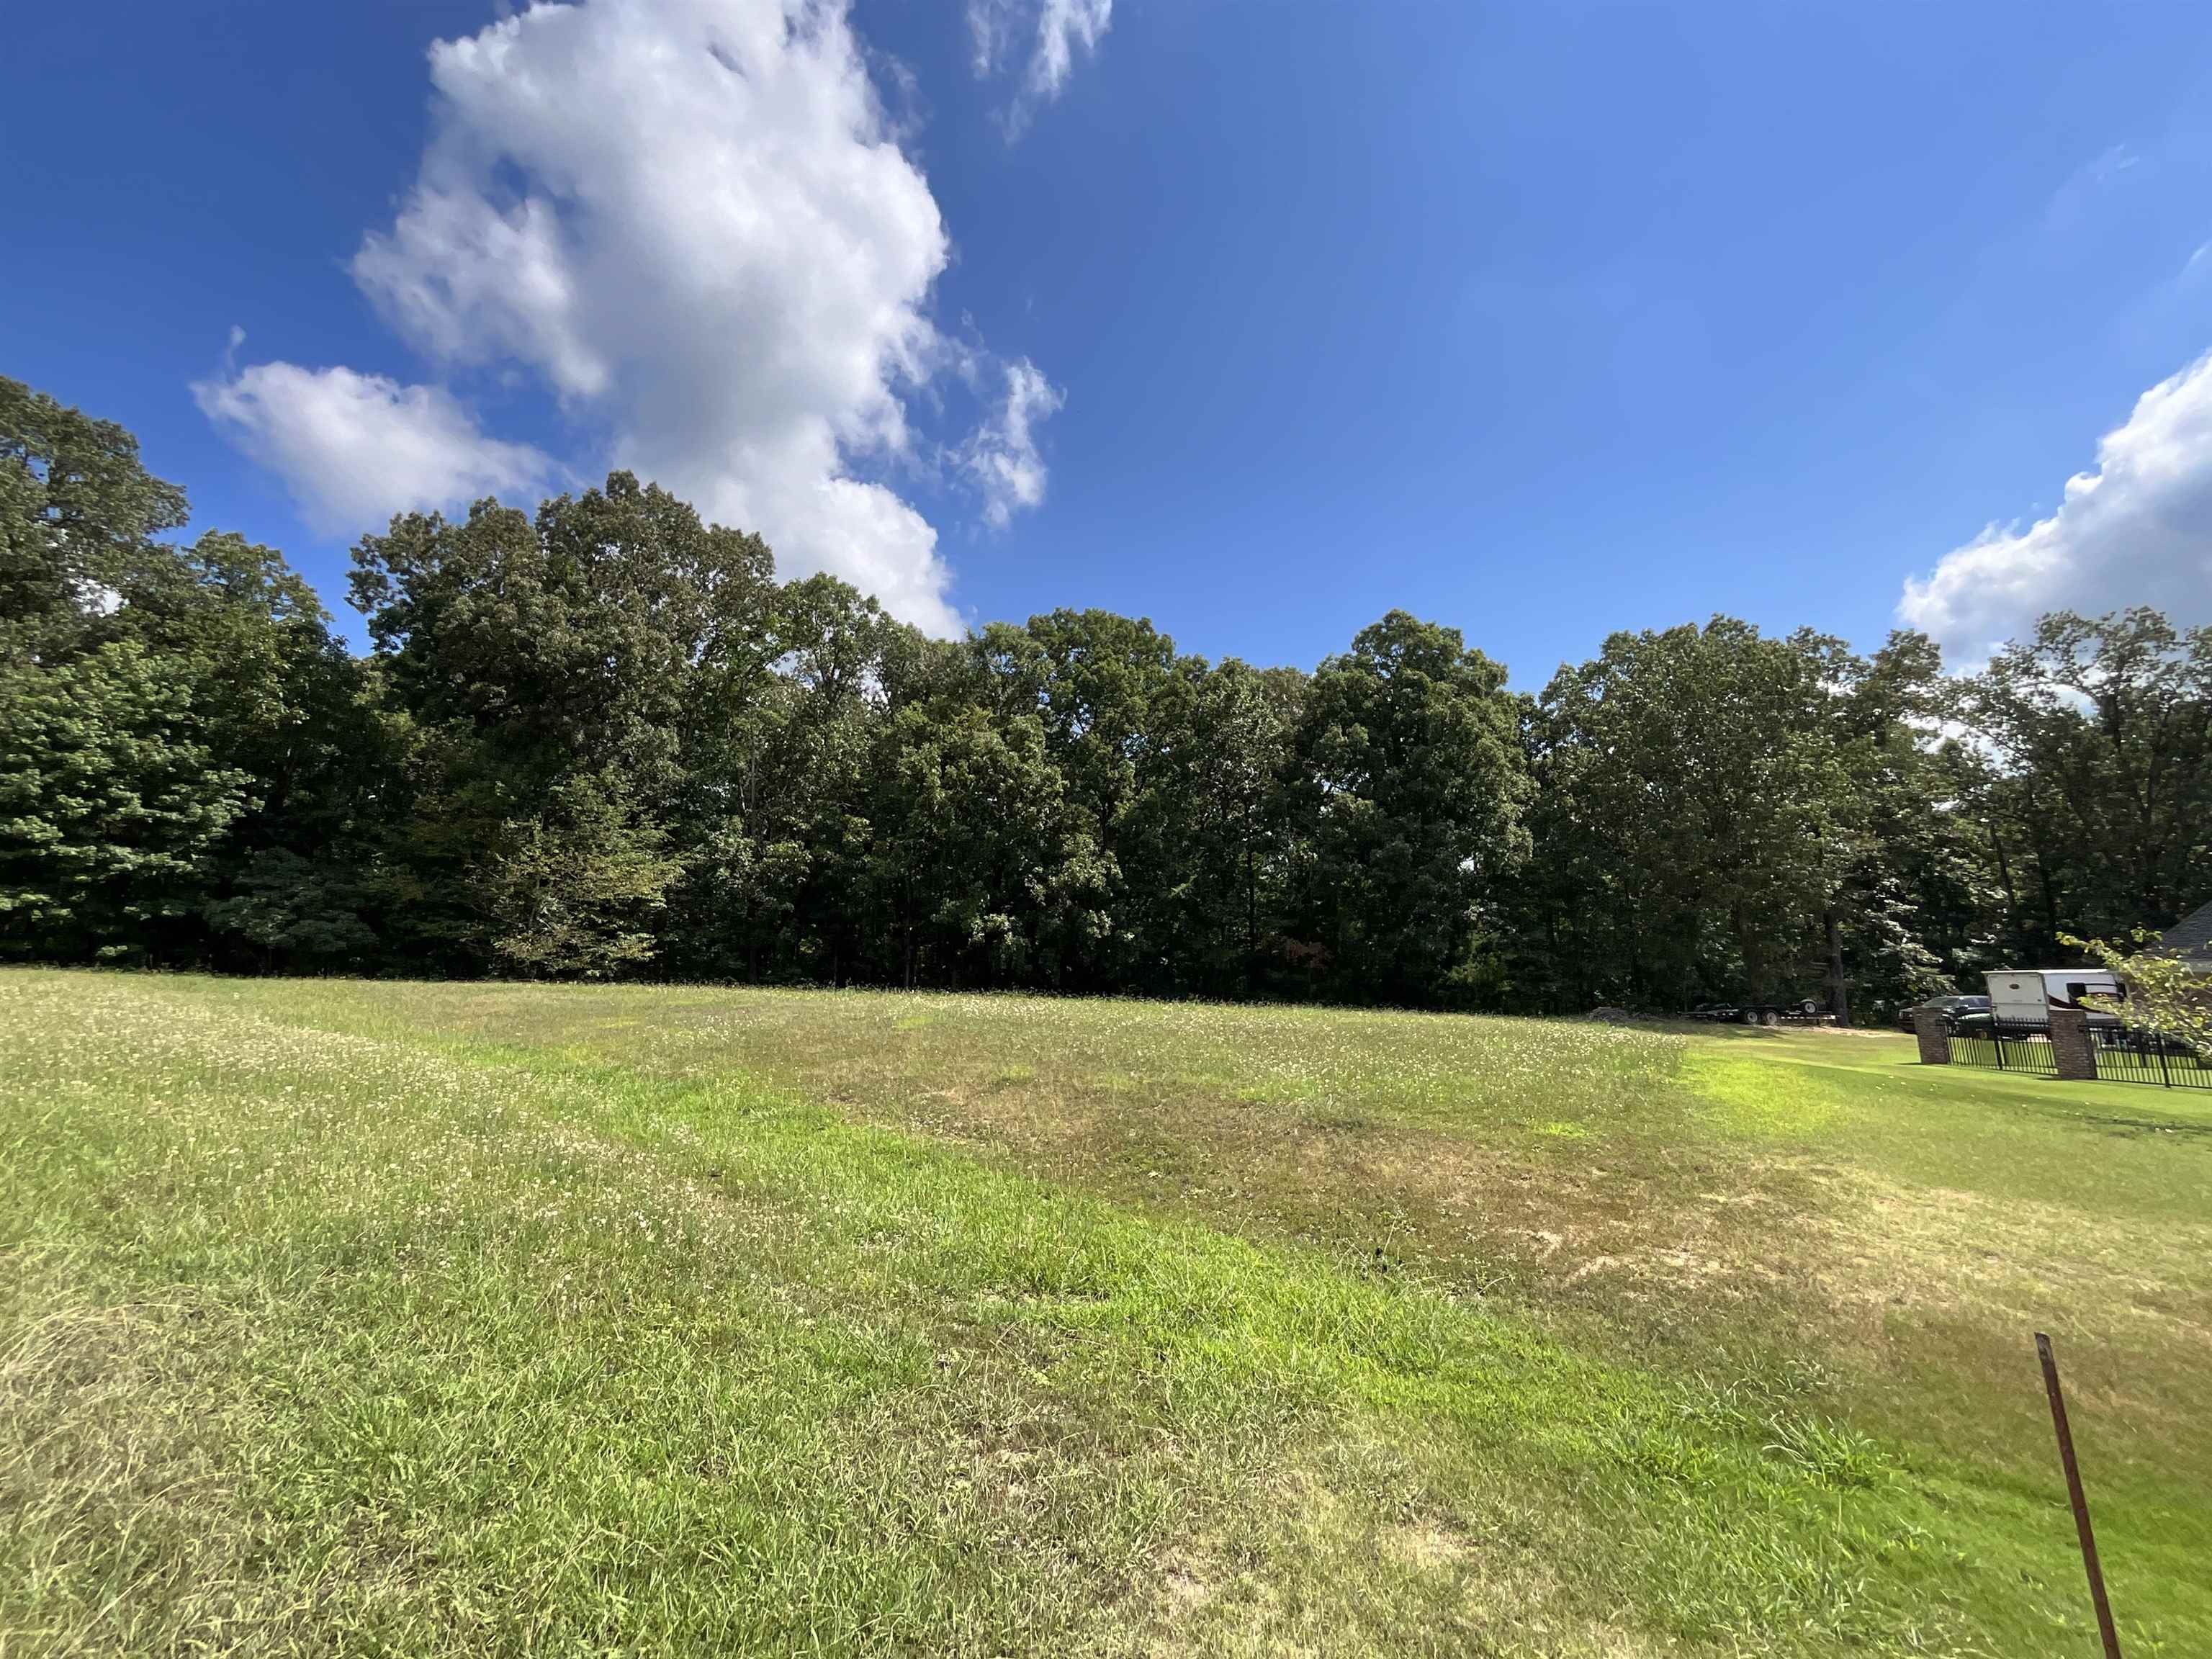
(2075, 1496)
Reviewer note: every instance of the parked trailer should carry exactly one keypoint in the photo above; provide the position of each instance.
(1805, 1013)
(2027, 995)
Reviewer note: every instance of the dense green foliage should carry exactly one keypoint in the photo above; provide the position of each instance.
(605, 741)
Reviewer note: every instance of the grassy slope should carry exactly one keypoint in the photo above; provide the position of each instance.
(412, 1319)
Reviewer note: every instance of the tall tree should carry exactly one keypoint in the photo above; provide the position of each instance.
(978, 872)
(1911, 915)
(78, 515)
(1697, 816)
(159, 700)
(552, 671)
(1203, 846)
(773, 889)
(2102, 734)
(279, 699)
(1409, 785)
(1094, 683)
(111, 805)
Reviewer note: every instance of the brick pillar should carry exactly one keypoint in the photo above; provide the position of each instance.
(1935, 1034)
(2069, 1041)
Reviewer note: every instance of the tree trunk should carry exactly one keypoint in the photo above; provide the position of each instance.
(2051, 929)
(1839, 995)
(1251, 908)
(2004, 877)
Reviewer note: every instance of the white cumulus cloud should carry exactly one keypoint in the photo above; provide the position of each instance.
(2135, 529)
(354, 449)
(689, 216)
(693, 221)
(1047, 34)
(1002, 456)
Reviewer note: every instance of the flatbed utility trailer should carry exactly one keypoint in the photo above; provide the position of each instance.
(1804, 1012)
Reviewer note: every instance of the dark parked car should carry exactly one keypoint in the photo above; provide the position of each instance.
(1953, 1008)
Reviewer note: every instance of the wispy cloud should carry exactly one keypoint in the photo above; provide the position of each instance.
(1046, 36)
(2074, 199)
(1002, 457)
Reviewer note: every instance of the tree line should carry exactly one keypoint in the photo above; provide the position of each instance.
(602, 740)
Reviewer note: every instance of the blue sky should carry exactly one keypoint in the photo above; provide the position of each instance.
(1256, 318)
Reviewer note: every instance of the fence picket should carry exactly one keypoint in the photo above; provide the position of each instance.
(2125, 1054)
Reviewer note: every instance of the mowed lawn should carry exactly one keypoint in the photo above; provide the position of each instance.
(380, 1318)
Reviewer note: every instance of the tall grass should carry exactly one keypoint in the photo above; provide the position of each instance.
(418, 1320)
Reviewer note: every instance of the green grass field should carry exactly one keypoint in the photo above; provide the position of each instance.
(437, 1320)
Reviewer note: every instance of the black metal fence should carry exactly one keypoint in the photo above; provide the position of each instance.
(2005, 1045)
(2125, 1054)
(2139, 1056)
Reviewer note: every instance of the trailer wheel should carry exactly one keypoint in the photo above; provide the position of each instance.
(1770, 1019)
(1748, 1017)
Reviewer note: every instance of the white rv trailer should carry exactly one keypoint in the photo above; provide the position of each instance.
(2028, 994)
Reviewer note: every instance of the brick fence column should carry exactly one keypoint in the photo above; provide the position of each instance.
(1935, 1034)
(2069, 1041)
